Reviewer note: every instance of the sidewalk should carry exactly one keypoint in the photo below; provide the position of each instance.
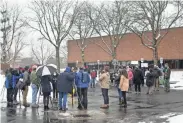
(141, 108)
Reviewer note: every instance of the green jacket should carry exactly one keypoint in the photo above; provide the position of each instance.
(34, 78)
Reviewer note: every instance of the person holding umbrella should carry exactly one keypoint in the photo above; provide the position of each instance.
(64, 86)
(46, 87)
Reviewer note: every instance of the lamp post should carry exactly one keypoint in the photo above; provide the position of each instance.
(98, 62)
(142, 60)
(161, 62)
(77, 63)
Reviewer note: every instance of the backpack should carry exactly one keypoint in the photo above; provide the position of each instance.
(84, 77)
(149, 80)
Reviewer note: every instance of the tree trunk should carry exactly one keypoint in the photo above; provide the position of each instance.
(155, 56)
(114, 53)
(58, 58)
(83, 56)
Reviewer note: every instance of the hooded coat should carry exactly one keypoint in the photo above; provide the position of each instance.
(45, 83)
(150, 77)
(138, 76)
(65, 81)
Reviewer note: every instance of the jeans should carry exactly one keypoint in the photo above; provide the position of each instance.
(62, 99)
(124, 97)
(137, 88)
(25, 92)
(10, 95)
(105, 95)
(15, 93)
(82, 98)
(34, 93)
(120, 93)
(93, 82)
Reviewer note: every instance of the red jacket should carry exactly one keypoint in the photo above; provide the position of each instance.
(93, 74)
(130, 75)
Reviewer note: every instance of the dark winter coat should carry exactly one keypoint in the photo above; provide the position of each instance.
(138, 77)
(65, 81)
(150, 77)
(45, 83)
(157, 72)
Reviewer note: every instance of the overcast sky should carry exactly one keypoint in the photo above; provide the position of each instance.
(24, 3)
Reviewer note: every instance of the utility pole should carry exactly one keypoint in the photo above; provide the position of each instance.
(4, 30)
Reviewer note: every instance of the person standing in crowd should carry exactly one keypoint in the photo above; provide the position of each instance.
(167, 72)
(124, 85)
(158, 73)
(117, 81)
(9, 87)
(54, 84)
(46, 89)
(15, 80)
(150, 77)
(104, 80)
(26, 80)
(130, 77)
(35, 83)
(138, 79)
(93, 78)
(82, 81)
(64, 86)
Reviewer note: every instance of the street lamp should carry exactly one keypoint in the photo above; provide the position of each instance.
(142, 60)
(161, 61)
(77, 63)
(98, 62)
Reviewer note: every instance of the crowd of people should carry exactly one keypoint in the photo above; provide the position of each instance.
(61, 84)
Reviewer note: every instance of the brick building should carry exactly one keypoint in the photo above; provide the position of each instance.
(130, 49)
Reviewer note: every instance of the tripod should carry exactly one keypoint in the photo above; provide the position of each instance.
(2, 93)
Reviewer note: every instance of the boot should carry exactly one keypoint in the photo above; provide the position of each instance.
(26, 105)
(120, 101)
(15, 102)
(45, 108)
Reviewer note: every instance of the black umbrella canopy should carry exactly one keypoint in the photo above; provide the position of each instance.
(45, 70)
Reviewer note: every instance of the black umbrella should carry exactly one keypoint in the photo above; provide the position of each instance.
(46, 70)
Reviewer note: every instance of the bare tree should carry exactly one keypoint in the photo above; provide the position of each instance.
(53, 20)
(82, 29)
(12, 27)
(111, 20)
(18, 45)
(147, 20)
(41, 52)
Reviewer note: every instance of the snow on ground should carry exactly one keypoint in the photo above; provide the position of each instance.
(173, 117)
(176, 119)
(177, 85)
(3, 91)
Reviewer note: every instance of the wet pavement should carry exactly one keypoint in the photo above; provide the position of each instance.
(161, 107)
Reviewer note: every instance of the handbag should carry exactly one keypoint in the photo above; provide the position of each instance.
(21, 85)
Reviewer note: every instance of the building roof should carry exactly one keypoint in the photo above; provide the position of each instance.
(130, 48)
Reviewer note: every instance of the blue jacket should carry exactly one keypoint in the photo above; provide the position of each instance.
(8, 81)
(82, 79)
(15, 80)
